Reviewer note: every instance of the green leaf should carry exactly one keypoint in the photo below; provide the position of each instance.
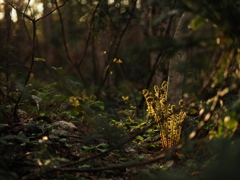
(140, 138)
(57, 69)
(62, 159)
(39, 59)
(197, 22)
(85, 166)
(140, 157)
(87, 148)
(103, 144)
(63, 140)
(99, 104)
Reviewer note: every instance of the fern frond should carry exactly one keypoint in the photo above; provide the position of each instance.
(164, 114)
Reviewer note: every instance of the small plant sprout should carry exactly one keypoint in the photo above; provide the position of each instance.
(118, 61)
(125, 98)
(168, 120)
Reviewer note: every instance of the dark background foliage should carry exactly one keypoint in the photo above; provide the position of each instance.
(72, 74)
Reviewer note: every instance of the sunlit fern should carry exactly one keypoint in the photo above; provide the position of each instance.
(168, 120)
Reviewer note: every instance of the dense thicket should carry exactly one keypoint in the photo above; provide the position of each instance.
(72, 74)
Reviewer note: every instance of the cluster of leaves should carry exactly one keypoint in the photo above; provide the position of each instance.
(57, 130)
(53, 129)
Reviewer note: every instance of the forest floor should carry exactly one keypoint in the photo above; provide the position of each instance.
(63, 148)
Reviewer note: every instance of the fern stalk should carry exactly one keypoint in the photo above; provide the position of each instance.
(169, 122)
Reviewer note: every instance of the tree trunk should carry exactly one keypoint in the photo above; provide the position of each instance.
(175, 78)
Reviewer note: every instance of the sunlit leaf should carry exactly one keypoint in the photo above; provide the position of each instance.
(140, 138)
(39, 59)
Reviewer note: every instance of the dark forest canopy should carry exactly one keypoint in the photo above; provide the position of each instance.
(132, 89)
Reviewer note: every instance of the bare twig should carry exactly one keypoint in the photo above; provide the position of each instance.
(57, 8)
(121, 166)
(32, 18)
(65, 44)
(33, 21)
(30, 68)
(8, 24)
(24, 22)
(109, 150)
(89, 34)
(26, 6)
(117, 47)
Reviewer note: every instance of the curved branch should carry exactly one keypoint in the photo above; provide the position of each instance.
(89, 34)
(57, 8)
(65, 44)
(121, 166)
(30, 68)
(125, 28)
(33, 47)
(30, 18)
(117, 47)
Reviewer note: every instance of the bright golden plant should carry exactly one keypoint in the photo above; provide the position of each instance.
(168, 120)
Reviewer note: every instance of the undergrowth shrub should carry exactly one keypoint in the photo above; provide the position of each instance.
(169, 121)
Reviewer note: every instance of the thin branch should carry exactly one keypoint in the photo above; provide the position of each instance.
(111, 149)
(26, 6)
(22, 13)
(117, 47)
(33, 19)
(125, 28)
(89, 34)
(30, 68)
(121, 166)
(65, 45)
(33, 47)
(8, 24)
(24, 22)
(57, 8)
(33, 52)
